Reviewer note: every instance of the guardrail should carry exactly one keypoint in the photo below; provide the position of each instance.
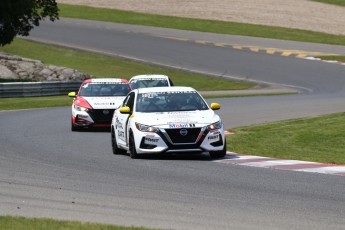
(36, 89)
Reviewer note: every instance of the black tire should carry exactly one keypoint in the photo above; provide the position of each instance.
(116, 149)
(218, 154)
(74, 127)
(132, 151)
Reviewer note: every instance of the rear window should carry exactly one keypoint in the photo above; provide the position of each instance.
(149, 82)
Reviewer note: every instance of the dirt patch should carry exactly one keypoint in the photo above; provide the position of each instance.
(300, 14)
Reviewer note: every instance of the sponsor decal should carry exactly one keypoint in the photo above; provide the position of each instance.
(150, 140)
(181, 114)
(102, 103)
(121, 134)
(149, 95)
(180, 125)
(176, 126)
(118, 124)
(148, 79)
(110, 81)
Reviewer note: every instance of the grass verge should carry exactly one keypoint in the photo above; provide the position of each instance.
(333, 58)
(317, 139)
(212, 26)
(20, 223)
(34, 102)
(333, 2)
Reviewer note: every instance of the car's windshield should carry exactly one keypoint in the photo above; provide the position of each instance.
(148, 82)
(104, 89)
(170, 101)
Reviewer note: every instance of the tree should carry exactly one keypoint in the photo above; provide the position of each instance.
(18, 17)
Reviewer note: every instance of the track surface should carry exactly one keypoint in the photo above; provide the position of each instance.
(323, 84)
(47, 170)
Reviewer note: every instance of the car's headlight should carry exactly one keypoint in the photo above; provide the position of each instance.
(79, 108)
(145, 128)
(217, 125)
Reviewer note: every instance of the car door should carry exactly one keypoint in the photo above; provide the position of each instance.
(122, 120)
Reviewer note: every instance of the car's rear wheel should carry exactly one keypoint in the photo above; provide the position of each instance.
(132, 150)
(116, 149)
(219, 154)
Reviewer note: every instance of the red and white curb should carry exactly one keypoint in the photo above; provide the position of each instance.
(328, 61)
(281, 164)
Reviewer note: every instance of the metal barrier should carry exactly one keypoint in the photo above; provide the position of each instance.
(36, 89)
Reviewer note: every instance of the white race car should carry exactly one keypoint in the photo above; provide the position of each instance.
(167, 120)
(96, 100)
(150, 80)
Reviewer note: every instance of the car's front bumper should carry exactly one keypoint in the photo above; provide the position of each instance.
(92, 118)
(172, 141)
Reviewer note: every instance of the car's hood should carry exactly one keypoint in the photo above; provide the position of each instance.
(104, 102)
(178, 119)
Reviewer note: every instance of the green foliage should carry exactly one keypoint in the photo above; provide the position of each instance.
(18, 17)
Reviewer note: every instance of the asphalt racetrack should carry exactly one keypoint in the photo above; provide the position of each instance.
(48, 171)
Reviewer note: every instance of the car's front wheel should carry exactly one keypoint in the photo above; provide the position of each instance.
(74, 127)
(219, 154)
(132, 150)
(116, 149)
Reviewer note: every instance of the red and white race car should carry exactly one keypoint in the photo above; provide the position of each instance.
(96, 100)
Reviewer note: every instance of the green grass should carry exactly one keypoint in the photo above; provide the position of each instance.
(317, 139)
(21, 223)
(212, 26)
(333, 58)
(106, 66)
(334, 2)
(34, 102)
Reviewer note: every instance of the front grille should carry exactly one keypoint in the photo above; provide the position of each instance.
(177, 138)
(102, 116)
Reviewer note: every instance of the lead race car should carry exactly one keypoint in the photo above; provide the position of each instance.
(167, 120)
(96, 100)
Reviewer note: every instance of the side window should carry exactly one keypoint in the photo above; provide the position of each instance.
(124, 103)
(171, 83)
(129, 101)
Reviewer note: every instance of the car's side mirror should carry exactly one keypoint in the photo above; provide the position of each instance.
(215, 106)
(125, 109)
(72, 94)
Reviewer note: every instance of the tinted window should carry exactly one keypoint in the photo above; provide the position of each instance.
(170, 101)
(149, 82)
(104, 89)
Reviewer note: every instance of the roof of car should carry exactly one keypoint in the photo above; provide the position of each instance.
(149, 76)
(165, 89)
(98, 80)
